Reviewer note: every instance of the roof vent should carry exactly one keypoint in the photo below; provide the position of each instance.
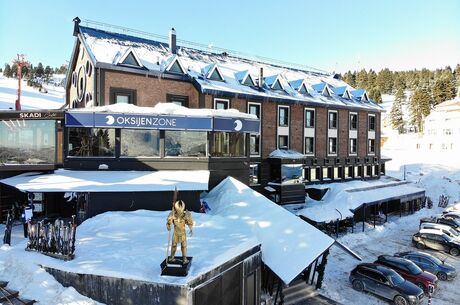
(172, 41)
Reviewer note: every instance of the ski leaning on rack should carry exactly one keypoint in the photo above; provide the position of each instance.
(11, 297)
(8, 229)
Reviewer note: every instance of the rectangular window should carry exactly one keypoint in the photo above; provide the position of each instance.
(353, 121)
(180, 100)
(371, 146)
(254, 173)
(254, 109)
(283, 116)
(122, 96)
(309, 145)
(140, 143)
(228, 144)
(309, 118)
(27, 142)
(283, 142)
(122, 99)
(332, 145)
(91, 142)
(185, 143)
(314, 173)
(371, 122)
(332, 120)
(353, 148)
(221, 104)
(255, 145)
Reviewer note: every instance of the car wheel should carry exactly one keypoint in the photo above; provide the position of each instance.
(442, 276)
(454, 251)
(420, 245)
(400, 300)
(358, 285)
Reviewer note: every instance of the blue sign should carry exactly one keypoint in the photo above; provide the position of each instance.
(236, 125)
(137, 121)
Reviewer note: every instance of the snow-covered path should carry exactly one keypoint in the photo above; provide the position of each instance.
(438, 174)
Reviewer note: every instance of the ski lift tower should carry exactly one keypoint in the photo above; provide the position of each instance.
(20, 62)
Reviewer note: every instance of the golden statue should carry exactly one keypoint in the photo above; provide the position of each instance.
(179, 217)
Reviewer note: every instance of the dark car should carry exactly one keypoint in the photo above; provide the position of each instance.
(386, 283)
(436, 240)
(409, 271)
(445, 220)
(430, 263)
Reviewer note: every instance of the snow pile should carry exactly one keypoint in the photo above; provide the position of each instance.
(286, 154)
(133, 244)
(31, 98)
(289, 244)
(169, 109)
(348, 196)
(63, 180)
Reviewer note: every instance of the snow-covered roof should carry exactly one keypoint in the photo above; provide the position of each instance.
(452, 105)
(63, 180)
(348, 196)
(104, 46)
(289, 244)
(286, 154)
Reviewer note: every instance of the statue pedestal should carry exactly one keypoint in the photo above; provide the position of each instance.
(175, 267)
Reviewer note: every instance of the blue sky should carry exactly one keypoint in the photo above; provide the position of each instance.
(330, 35)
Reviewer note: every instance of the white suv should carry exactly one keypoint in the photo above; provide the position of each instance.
(443, 228)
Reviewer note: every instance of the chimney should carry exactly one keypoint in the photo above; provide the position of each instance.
(261, 77)
(172, 41)
(76, 25)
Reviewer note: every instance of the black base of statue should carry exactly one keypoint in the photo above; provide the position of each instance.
(176, 267)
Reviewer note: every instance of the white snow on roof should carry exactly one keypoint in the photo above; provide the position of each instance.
(289, 244)
(31, 98)
(286, 154)
(104, 47)
(348, 196)
(168, 109)
(110, 181)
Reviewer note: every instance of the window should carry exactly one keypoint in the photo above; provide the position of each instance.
(371, 146)
(185, 143)
(277, 85)
(254, 173)
(309, 145)
(353, 121)
(131, 60)
(283, 116)
(221, 104)
(332, 120)
(19, 143)
(180, 100)
(255, 145)
(283, 142)
(353, 148)
(309, 118)
(176, 68)
(371, 122)
(140, 143)
(248, 81)
(332, 145)
(122, 96)
(228, 144)
(215, 75)
(254, 109)
(91, 142)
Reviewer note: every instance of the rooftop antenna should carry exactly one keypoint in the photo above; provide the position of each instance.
(20, 62)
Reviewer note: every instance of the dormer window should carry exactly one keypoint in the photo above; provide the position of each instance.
(273, 82)
(346, 94)
(300, 86)
(303, 89)
(174, 65)
(277, 85)
(245, 78)
(365, 97)
(322, 88)
(213, 72)
(326, 91)
(130, 59)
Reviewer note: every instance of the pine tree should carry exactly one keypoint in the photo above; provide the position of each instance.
(348, 77)
(1, 70)
(7, 71)
(14, 70)
(396, 113)
(375, 95)
(48, 71)
(39, 70)
(419, 107)
(385, 81)
(361, 79)
(457, 75)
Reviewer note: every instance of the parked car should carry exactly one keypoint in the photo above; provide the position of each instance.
(452, 214)
(448, 221)
(410, 271)
(433, 239)
(454, 208)
(430, 263)
(386, 283)
(449, 231)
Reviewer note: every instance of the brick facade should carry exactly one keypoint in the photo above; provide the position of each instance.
(362, 134)
(342, 134)
(297, 128)
(321, 133)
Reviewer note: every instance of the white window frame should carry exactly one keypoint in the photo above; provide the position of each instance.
(278, 140)
(350, 153)
(257, 104)
(329, 153)
(221, 100)
(305, 147)
(260, 122)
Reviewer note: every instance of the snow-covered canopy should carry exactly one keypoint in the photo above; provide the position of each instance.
(348, 196)
(155, 56)
(110, 181)
(289, 244)
(286, 154)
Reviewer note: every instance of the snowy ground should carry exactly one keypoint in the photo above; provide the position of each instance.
(31, 98)
(438, 174)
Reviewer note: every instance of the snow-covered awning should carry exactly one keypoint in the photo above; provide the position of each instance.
(110, 181)
(286, 154)
(289, 244)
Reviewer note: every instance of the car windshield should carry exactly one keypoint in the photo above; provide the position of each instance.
(436, 260)
(395, 278)
(447, 238)
(453, 232)
(414, 269)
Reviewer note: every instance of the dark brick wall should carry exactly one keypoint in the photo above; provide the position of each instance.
(269, 128)
(343, 134)
(297, 127)
(362, 134)
(321, 132)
